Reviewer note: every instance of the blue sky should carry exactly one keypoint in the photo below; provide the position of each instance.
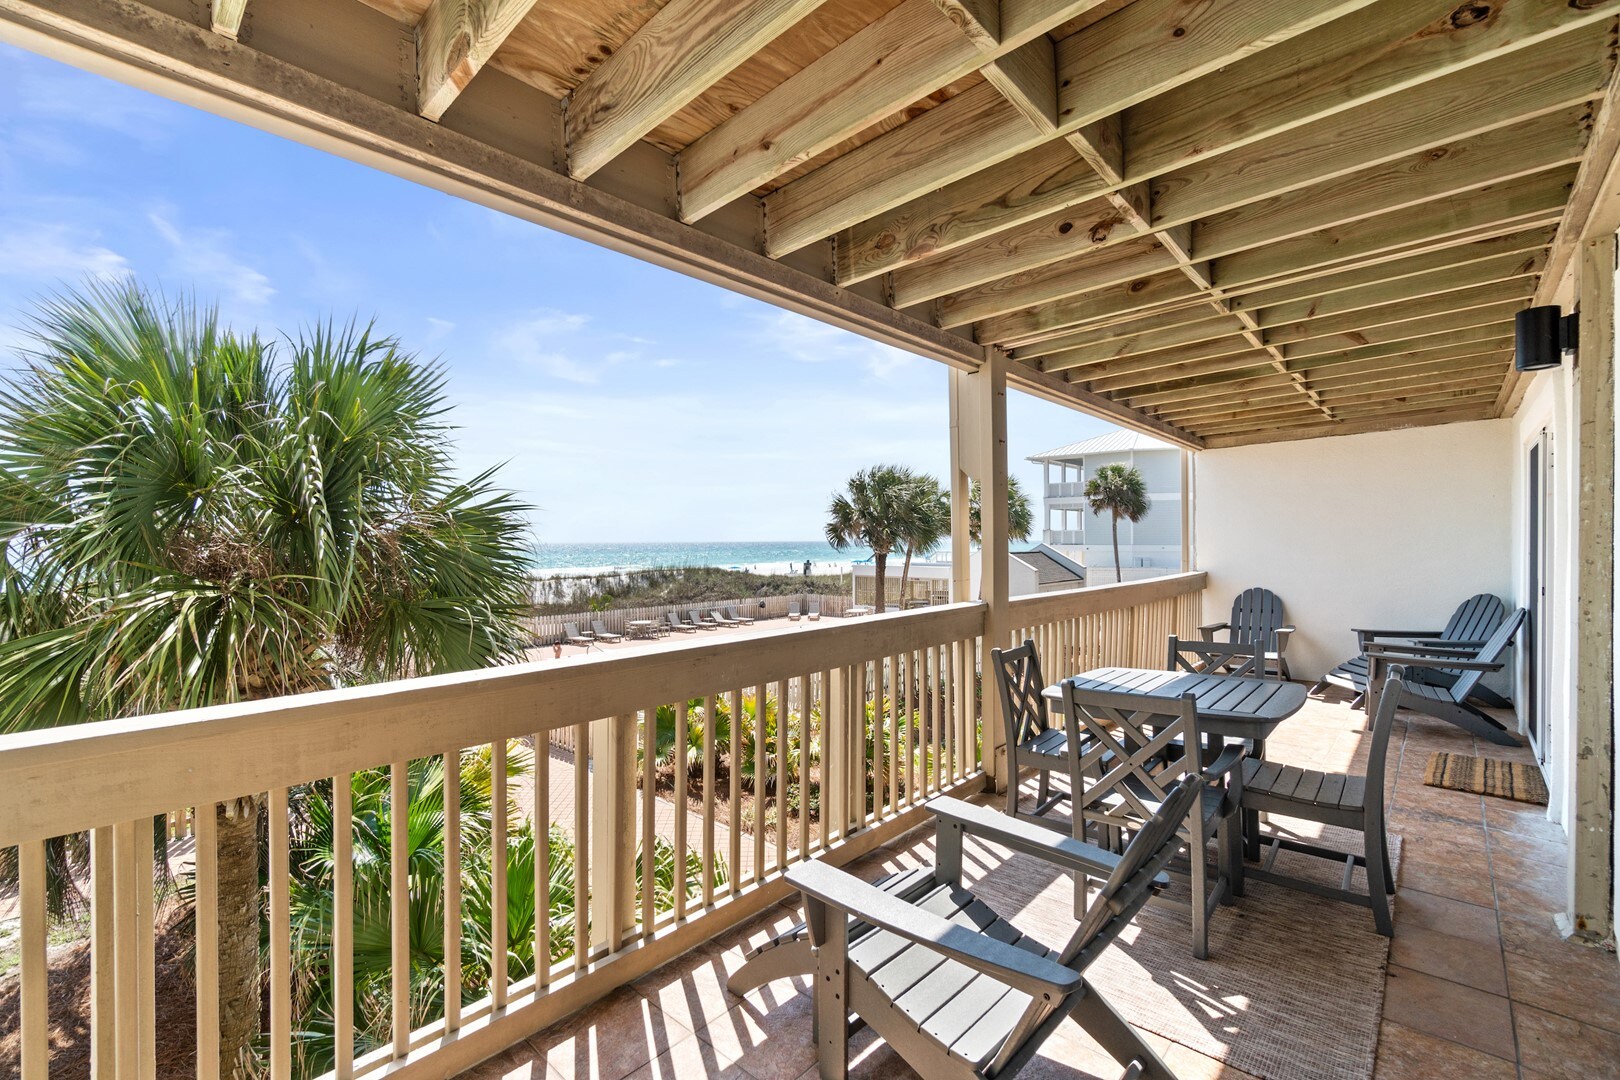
(628, 402)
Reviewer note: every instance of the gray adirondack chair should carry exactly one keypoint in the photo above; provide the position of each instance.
(1032, 743)
(1353, 802)
(1137, 746)
(955, 989)
(1211, 656)
(1449, 703)
(1474, 621)
(1257, 620)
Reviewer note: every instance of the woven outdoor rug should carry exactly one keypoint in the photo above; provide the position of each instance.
(1486, 776)
(1294, 986)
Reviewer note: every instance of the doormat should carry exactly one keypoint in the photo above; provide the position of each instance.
(1486, 776)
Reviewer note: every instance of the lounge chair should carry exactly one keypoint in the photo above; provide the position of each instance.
(1475, 620)
(699, 621)
(1257, 621)
(815, 610)
(676, 624)
(722, 618)
(600, 631)
(793, 612)
(739, 616)
(572, 635)
(901, 954)
(1448, 703)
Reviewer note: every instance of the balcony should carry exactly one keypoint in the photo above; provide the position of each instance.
(1072, 489)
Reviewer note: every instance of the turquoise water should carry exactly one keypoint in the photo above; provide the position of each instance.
(768, 556)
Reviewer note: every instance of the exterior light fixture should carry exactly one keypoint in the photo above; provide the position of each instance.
(1541, 337)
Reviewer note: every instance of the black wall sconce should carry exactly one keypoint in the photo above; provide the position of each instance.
(1541, 337)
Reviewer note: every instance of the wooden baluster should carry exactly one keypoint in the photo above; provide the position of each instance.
(452, 890)
(707, 882)
(834, 757)
(949, 723)
(145, 953)
(649, 818)
(761, 765)
(583, 878)
(280, 936)
(613, 827)
(806, 689)
(343, 923)
(35, 1018)
(399, 904)
(682, 729)
(103, 1012)
(734, 767)
(499, 962)
(206, 909)
(824, 799)
(542, 861)
(779, 800)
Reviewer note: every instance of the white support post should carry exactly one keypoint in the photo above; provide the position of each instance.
(979, 452)
(1591, 864)
(1186, 511)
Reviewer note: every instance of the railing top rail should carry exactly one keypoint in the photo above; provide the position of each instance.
(1043, 607)
(67, 779)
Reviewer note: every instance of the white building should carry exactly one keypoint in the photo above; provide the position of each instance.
(1033, 570)
(1154, 543)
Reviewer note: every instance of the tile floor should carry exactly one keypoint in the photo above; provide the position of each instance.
(1479, 983)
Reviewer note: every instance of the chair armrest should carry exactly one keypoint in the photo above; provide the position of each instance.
(1208, 632)
(1023, 836)
(1228, 760)
(1420, 650)
(1390, 659)
(1019, 968)
(1283, 634)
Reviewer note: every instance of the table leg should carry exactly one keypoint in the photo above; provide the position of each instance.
(1251, 818)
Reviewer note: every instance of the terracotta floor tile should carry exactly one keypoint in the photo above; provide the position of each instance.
(1406, 1054)
(1565, 1049)
(1472, 963)
(516, 1063)
(1457, 805)
(610, 1040)
(691, 1057)
(771, 1042)
(1459, 881)
(1474, 922)
(1507, 816)
(1571, 980)
(1448, 1010)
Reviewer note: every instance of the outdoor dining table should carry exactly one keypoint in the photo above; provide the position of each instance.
(642, 628)
(1229, 707)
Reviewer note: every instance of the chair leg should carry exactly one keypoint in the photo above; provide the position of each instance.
(1121, 1041)
(831, 1006)
(1378, 877)
(1389, 864)
(1012, 785)
(1227, 846)
(1198, 860)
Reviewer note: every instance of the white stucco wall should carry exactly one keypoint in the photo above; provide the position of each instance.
(1392, 529)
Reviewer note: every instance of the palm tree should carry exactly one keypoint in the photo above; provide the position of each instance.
(877, 509)
(927, 523)
(188, 520)
(1020, 518)
(1120, 491)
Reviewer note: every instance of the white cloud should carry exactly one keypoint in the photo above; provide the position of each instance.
(203, 256)
(46, 250)
(809, 341)
(552, 342)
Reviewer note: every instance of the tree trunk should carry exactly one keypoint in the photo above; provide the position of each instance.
(240, 998)
(905, 579)
(1119, 575)
(879, 558)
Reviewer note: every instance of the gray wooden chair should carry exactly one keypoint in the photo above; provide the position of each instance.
(1474, 621)
(697, 619)
(1137, 746)
(600, 631)
(1257, 619)
(1227, 658)
(1343, 799)
(955, 989)
(572, 635)
(675, 623)
(1449, 702)
(1032, 743)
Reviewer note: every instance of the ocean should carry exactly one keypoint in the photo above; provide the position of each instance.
(761, 556)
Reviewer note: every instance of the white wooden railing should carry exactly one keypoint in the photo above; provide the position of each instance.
(865, 719)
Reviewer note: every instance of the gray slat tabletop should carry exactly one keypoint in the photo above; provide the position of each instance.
(1232, 706)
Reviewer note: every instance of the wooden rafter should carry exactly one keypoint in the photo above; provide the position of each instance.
(453, 42)
(682, 51)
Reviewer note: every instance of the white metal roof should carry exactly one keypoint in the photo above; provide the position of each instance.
(1115, 442)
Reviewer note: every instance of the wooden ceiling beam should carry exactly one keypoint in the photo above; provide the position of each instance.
(1134, 372)
(1484, 84)
(226, 16)
(1216, 328)
(1372, 53)
(1540, 145)
(1220, 384)
(453, 42)
(1507, 267)
(1341, 393)
(1388, 410)
(896, 60)
(1317, 430)
(684, 49)
(1240, 386)
(1062, 296)
(1406, 330)
(1351, 325)
(1122, 59)
(1192, 321)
